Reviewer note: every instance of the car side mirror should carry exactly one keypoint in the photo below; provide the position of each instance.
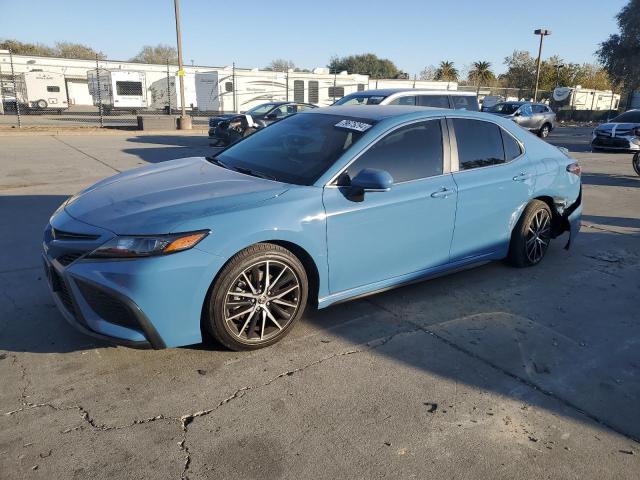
(371, 180)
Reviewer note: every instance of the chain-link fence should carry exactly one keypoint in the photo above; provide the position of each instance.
(57, 92)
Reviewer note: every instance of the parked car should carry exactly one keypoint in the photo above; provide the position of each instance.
(621, 133)
(321, 207)
(537, 117)
(410, 96)
(227, 129)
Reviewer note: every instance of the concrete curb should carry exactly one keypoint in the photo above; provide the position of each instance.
(99, 131)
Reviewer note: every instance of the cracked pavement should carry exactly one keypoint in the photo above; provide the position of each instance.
(493, 372)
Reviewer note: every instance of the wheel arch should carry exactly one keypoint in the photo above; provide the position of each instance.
(309, 265)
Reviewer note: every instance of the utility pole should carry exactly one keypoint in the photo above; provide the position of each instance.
(543, 32)
(184, 122)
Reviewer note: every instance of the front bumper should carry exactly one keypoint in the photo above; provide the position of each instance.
(145, 302)
(616, 143)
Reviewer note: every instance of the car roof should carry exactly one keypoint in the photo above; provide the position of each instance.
(375, 112)
(390, 91)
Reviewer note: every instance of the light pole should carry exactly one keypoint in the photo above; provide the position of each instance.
(184, 122)
(543, 32)
(558, 67)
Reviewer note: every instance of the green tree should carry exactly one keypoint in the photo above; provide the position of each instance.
(280, 65)
(620, 53)
(521, 70)
(446, 72)
(159, 54)
(481, 74)
(21, 48)
(365, 64)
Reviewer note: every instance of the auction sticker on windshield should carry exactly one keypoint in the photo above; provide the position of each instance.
(353, 125)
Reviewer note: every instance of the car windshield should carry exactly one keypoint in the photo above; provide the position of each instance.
(632, 116)
(261, 109)
(505, 108)
(360, 99)
(297, 149)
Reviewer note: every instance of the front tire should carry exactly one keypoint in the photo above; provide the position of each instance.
(636, 163)
(258, 296)
(531, 236)
(544, 130)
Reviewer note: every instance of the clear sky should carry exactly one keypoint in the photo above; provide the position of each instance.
(412, 33)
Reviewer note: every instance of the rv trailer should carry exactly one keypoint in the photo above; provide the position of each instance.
(41, 90)
(226, 90)
(118, 89)
(166, 92)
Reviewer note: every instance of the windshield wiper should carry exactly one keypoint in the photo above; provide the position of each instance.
(255, 173)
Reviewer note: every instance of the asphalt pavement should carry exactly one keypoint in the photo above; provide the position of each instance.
(494, 372)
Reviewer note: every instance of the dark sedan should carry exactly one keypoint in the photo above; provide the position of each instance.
(621, 133)
(229, 128)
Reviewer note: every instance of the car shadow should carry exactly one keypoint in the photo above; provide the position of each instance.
(610, 180)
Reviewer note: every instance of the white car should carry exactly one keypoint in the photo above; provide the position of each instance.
(453, 99)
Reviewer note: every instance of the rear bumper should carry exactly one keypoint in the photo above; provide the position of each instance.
(573, 219)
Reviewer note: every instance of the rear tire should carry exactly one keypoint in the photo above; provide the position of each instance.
(257, 298)
(531, 236)
(544, 130)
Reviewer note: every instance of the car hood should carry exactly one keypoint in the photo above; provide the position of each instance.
(157, 199)
(620, 128)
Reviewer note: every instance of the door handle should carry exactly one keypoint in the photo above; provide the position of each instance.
(522, 177)
(442, 193)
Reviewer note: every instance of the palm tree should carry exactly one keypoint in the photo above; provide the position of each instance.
(481, 73)
(447, 72)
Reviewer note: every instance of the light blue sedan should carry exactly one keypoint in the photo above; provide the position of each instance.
(322, 207)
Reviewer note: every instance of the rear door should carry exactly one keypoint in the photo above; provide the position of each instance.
(398, 232)
(494, 180)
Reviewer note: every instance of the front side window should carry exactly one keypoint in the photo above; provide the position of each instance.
(129, 88)
(538, 108)
(526, 110)
(53, 89)
(437, 101)
(505, 108)
(408, 153)
(479, 143)
(297, 149)
(261, 109)
(465, 102)
(408, 100)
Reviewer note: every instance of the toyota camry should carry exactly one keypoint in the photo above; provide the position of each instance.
(321, 207)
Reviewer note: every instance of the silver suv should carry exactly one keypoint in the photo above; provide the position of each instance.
(413, 96)
(537, 117)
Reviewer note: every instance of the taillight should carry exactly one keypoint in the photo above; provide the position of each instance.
(574, 168)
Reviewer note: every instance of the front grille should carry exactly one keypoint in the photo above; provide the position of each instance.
(107, 307)
(60, 288)
(69, 258)
(62, 235)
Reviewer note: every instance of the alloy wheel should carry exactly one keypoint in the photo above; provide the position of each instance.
(262, 301)
(538, 236)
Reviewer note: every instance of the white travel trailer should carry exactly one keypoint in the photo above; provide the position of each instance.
(215, 90)
(118, 89)
(42, 90)
(165, 92)
(578, 98)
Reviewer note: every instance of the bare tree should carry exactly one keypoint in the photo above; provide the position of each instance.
(280, 65)
(428, 73)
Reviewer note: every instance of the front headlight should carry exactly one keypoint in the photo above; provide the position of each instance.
(148, 246)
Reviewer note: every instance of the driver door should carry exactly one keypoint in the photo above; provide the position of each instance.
(398, 232)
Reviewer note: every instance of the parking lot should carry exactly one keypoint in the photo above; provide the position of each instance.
(494, 372)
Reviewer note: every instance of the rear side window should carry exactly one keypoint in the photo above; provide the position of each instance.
(465, 102)
(408, 153)
(437, 101)
(410, 100)
(539, 109)
(129, 88)
(479, 143)
(512, 148)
